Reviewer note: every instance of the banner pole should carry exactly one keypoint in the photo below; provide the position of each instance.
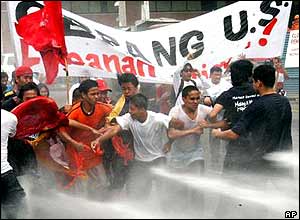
(67, 80)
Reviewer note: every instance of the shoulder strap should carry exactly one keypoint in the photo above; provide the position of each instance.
(193, 81)
(180, 89)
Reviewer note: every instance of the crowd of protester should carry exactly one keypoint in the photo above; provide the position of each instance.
(98, 146)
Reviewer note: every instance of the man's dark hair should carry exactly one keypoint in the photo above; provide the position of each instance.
(240, 71)
(76, 95)
(187, 68)
(140, 101)
(187, 90)
(86, 85)
(127, 78)
(266, 74)
(4, 75)
(215, 69)
(27, 87)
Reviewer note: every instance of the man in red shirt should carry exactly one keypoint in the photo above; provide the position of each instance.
(82, 158)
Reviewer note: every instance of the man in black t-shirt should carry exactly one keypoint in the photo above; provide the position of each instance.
(266, 124)
(234, 102)
(264, 127)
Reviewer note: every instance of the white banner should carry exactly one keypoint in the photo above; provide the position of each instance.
(292, 53)
(254, 28)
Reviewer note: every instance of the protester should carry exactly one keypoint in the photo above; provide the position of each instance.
(236, 99)
(4, 82)
(149, 131)
(266, 123)
(263, 128)
(23, 75)
(21, 154)
(232, 102)
(217, 86)
(76, 97)
(182, 78)
(163, 96)
(187, 153)
(118, 150)
(93, 114)
(12, 193)
(40, 115)
(44, 90)
(295, 23)
(103, 91)
(281, 76)
(26, 92)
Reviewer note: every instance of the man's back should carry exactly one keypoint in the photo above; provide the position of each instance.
(266, 123)
(236, 100)
(271, 128)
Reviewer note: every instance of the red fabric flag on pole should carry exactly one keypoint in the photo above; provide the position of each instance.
(44, 30)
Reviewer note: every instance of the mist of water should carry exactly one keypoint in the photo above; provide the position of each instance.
(277, 201)
(55, 204)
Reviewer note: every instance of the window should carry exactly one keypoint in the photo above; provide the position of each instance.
(108, 7)
(152, 6)
(163, 5)
(111, 7)
(67, 5)
(179, 5)
(194, 5)
(209, 5)
(94, 7)
(80, 7)
(85, 7)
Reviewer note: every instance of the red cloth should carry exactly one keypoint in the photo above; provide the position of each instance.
(122, 149)
(36, 115)
(44, 30)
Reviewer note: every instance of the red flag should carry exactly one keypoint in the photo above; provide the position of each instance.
(44, 30)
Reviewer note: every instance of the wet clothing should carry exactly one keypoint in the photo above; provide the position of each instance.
(95, 120)
(187, 149)
(8, 129)
(12, 193)
(12, 196)
(140, 178)
(115, 165)
(266, 124)
(149, 136)
(236, 100)
(86, 161)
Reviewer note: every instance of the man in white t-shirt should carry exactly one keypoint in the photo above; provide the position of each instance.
(149, 130)
(217, 86)
(12, 193)
(186, 148)
(187, 154)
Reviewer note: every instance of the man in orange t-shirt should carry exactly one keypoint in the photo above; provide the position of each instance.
(81, 156)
